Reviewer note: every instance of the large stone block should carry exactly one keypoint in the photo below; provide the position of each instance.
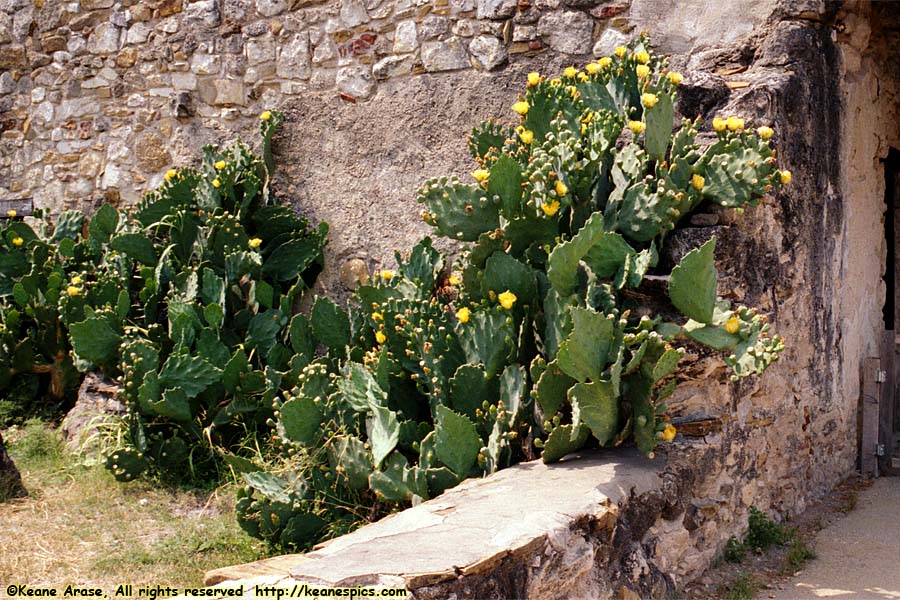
(294, 57)
(568, 32)
(449, 55)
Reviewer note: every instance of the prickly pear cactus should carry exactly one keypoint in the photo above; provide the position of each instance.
(186, 298)
(567, 209)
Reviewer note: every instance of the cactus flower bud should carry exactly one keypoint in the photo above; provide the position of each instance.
(765, 133)
(697, 181)
(507, 299)
(480, 175)
(649, 100)
(732, 325)
(669, 433)
(550, 208)
(734, 124)
(561, 188)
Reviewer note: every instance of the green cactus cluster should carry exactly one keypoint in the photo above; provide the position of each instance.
(403, 405)
(185, 298)
(536, 341)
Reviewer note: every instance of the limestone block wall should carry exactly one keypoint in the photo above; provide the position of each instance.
(98, 98)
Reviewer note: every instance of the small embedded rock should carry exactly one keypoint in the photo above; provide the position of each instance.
(355, 81)
(487, 53)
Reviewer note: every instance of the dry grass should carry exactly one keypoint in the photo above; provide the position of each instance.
(80, 526)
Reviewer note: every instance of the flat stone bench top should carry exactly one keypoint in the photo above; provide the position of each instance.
(467, 530)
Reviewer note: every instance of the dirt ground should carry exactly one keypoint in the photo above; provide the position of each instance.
(765, 574)
(858, 556)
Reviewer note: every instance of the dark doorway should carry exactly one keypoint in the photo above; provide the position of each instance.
(890, 415)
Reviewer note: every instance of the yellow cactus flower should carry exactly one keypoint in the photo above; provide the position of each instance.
(642, 57)
(534, 78)
(675, 78)
(697, 181)
(550, 208)
(521, 107)
(643, 71)
(555, 82)
(216, 183)
(573, 91)
(636, 127)
(765, 133)
(527, 136)
(480, 175)
(72, 290)
(649, 100)
(561, 188)
(604, 62)
(265, 115)
(255, 243)
(11, 214)
(570, 72)
(463, 315)
(17, 241)
(621, 51)
(592, 68)
(785, 177)
(668, 434)
(171, 174)
(76, 280)
(377, 316)
(719, 124)
(219, 165)
(454, 279)
(732, 325)
(507, 299)
(582, 76)
(380, 337)
(735, 124)
(387, 275)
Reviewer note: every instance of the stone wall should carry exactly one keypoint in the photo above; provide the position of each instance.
(100, 98)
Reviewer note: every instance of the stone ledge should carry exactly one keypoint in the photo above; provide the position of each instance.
(532, 530)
